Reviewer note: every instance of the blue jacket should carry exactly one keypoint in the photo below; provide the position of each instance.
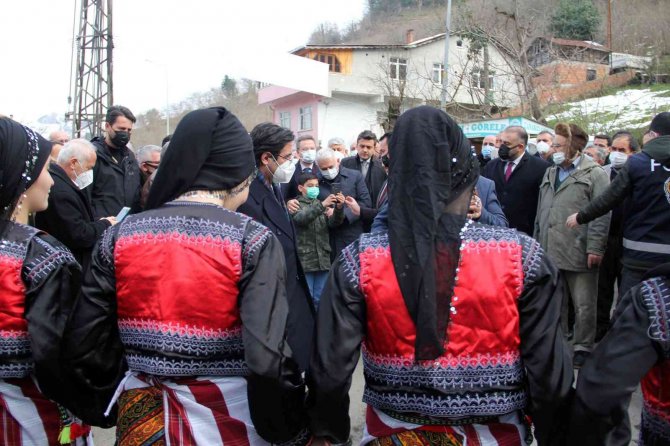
(492, 213)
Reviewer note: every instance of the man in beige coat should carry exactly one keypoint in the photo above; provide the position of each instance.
(568, 186)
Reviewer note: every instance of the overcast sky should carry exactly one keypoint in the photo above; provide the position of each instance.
(186, 38)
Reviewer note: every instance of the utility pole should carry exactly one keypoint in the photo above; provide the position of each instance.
(445, 71)
(93, 89)
(609, 24)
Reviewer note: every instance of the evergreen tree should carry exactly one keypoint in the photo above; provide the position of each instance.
(229, 87)
(576, 19)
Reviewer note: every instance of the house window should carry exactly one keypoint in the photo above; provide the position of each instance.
(477, 80)
(306, 118)
(398, 68)
(438, 70)
(591, 75)
(285, 119)
(332, 61)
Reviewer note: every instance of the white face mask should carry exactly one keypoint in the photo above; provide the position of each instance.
(84, 179)
(532, 149)
(618, 159)
(494, 153)
(330, 174)
(542, 147)
(558, 158)
(283, 173)
(308, 156)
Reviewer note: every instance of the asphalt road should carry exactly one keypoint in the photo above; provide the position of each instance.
(105, 437)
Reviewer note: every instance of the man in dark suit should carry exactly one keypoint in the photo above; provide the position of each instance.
(351, 183)
(306, 149)
(272, 147)
(69, 216)
(372, 171)
(517, 176)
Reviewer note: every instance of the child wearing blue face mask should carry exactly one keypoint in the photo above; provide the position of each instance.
(312, 222)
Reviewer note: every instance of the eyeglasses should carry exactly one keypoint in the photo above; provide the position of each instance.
(151, 164)
(556, 146)
(61, 142)
(290, 157)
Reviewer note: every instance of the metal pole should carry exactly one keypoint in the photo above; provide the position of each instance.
(167, 99)
(445, 72)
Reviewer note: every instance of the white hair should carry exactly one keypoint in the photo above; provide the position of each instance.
(335, 140)
(79, 148)
(144, 154)
(325, 154)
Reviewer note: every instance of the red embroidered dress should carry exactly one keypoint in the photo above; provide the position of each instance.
(195, 293)
(503, 339)
(38, 281)
(635, 351)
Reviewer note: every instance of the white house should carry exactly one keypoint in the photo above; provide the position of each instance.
(365, 80)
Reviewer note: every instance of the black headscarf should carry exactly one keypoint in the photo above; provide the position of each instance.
(23, 154)
(210, 150)
(433, 171)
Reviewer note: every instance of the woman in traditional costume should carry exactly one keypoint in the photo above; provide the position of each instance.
(39, 278)
(190, 297)
(458, 321)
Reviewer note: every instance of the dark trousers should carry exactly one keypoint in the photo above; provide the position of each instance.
(609, 273)
(629, 278)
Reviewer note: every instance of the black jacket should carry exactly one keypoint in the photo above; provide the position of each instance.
(264, 207)
(69, 217)
(644, 183)
(374, 181)
(115, 184)
(375, 178)
(518, 197)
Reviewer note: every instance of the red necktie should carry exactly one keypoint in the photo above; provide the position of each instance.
(508, 171)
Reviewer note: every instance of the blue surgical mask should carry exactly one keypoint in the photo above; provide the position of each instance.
(486, 151)
(312, 192)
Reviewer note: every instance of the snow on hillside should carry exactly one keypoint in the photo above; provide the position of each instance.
(627, 109)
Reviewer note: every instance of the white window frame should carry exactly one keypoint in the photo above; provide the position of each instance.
(438, 69)
(395, 64)
(285, 119)
(478, 83)
(305, 114)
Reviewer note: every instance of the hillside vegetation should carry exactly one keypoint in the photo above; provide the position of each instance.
(638, 27)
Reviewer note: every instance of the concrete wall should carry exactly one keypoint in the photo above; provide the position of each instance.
(370, 74)
(345, 116)
(292, 105)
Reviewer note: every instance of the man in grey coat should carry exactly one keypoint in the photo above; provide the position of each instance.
(573, 181)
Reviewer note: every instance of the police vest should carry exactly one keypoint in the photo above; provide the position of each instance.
(647, 223)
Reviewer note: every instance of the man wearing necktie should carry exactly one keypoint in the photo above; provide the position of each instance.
(372, 171)
(517, 176)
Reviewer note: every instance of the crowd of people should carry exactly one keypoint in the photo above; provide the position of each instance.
(221, 287)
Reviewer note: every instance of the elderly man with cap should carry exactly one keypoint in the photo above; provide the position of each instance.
(39, 280)
(190, 297)
(449, 358)
(573, 181)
